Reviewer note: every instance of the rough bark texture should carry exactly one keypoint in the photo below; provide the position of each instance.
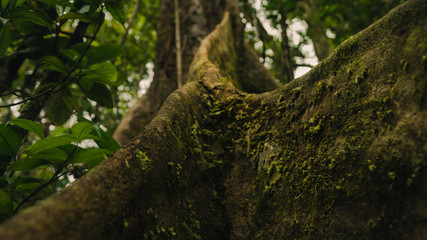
(339, 153)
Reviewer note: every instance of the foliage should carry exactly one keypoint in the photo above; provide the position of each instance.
(334, 19)
(134, 63)
(42, 166)
(335, 15)
(54, 50)
(49, 56)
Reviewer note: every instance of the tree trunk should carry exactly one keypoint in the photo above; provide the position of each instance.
(287, 68)
(194, 27)
(199, 18)
(339, 153)
(321, 44)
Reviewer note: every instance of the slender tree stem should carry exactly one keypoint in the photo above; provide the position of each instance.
(130, 22)
(58, 173)
(178, 45)
(62, 80)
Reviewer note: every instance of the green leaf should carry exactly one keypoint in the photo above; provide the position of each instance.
(71, 102)
(4, 161)
(38, 46)
(55, 64)
(51, 2)
(81, 130)
(5, 39)
(19, 2)
(29, 126)
(103, 72)
(44, 87)
(25, 28)
(71, 54)
(28, 15)
(12, 3)
(56, 3)
(101, 94)
(58, 111)
(93, 137)
(10, 140)
(85, 84)
(116, 10)
(94, 3)
(105, 141)
(6, 205)
(28, 163)
(4, 4)
(104, 52)
(27, 186)
(74, 15)
(74, 56)
(48, 143)
(90, 156)
(21, 180)
(54, 155)
(3, 182)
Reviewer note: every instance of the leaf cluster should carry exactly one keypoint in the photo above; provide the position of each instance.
(51, 37)
(49, 57)
(48, 160)
(334, 21)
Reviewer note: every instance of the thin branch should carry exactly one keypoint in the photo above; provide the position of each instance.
(70, 34)
(63, 79)
(9, 92)
(58, 173)
(7, 6)
(304, 65)
(178, 46)
(130, 22)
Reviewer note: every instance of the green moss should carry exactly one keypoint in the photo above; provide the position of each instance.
(145, 162)
(404, 64)
(416, 40)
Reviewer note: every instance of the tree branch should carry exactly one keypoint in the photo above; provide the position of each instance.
(58, 173)
(130, 22)
(64, 79)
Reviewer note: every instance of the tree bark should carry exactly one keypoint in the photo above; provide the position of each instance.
(339, 153)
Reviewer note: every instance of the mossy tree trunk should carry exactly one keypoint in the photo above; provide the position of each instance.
(339, 153)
